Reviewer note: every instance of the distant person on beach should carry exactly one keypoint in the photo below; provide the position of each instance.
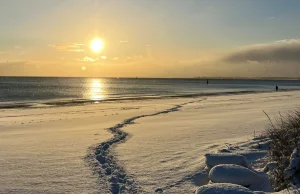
(276, 88)
(207, 81)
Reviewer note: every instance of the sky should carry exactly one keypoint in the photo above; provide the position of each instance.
(150, 38)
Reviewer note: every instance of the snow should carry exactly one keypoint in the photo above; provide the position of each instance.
(225, 158)
(44, 150)
(235, 174)
(223, 188)
(293, 168)
(167, 151)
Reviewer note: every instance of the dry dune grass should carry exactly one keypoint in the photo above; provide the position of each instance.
(284, 133)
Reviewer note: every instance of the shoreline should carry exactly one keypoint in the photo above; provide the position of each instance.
(80, 102)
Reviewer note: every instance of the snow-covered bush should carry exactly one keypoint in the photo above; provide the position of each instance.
(285, 137)
(224, 188)
(226, 158)
(235, 174)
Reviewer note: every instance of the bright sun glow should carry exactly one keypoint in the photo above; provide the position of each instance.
(96, 45)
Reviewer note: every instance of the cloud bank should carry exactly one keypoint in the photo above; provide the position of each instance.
(280, 51)
(275, 59)
(71, 47)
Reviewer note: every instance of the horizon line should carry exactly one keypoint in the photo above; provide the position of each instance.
(217, 77)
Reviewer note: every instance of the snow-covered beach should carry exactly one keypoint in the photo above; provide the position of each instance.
(44, 150)
(149, 97)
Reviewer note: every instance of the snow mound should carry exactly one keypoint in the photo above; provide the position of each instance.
(223, 188)
(235, 174)
(293, 168)
(226, 158)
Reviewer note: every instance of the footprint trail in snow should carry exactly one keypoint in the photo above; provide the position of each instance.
(105, 164)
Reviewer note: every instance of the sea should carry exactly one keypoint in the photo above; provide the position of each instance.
(16, 92)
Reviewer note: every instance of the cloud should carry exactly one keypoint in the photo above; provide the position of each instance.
(105, 59)
(287, 50)
(91, 60)
(270, 18)
(18, 47)
(123, 41)
(71, 47)
(87, 59)
(134, 59)
(275, 59)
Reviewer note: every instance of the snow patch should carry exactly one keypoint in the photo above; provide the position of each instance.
(226, 158)
(235, 174)
(293, 169)
(224, 188)
(243, 165)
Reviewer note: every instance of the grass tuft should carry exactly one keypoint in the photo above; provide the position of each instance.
(285, 137)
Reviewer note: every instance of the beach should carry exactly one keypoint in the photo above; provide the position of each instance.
(44, 149)
(149, 97)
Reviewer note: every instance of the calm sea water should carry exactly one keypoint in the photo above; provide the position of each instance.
(16, 90)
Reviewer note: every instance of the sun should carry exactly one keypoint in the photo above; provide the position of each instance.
(96, 45)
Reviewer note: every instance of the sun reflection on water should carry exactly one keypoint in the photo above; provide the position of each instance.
(96, 90)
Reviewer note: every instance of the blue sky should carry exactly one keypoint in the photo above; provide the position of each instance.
(143, 35)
